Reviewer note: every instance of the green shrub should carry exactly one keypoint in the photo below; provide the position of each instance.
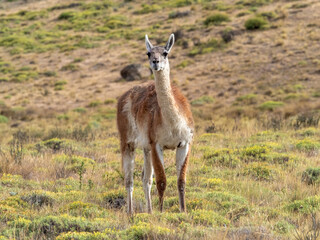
(53, 225)
(50, 73)
(316, 94)
(283, 227)
(211, 182)
(144, 230)
(20, 43)
(269, 15)
(6, 67)
(247, 99)
(19, 227)
(79, 208)
(222, 157)
(300, 5)
(95, 103)
(66, 15)
(70, 67)
(208, 47)
(110, 101)
(255, 23)
(202, 100)
(60, 83)
(80, 110)
(253, 3)
(115, 199)
(208, 218)
(8, 213)
(4, 79)
(74, 163)
(39, 199)
(306, 206)
(279, 158)
(54, 144)
(83, 236)
(148, 8)
(59, 88)
(216, 19)
(311, 176)
(227, 204)
(180, 3)
(307, 132)
(254, 153)
(12, 180)
(308, 145)
(260, 171)
(3, 119)
(185, 63)
(270, 105)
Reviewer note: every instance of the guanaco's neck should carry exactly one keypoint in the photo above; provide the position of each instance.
(165, 96)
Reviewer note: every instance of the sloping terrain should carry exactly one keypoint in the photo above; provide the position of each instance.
(251, 70)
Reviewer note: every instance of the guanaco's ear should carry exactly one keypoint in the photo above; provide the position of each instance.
(170, 43)
(148, 44)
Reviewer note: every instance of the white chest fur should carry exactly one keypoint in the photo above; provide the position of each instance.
(172, 136)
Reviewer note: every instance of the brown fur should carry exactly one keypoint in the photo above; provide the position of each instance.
(145, 107)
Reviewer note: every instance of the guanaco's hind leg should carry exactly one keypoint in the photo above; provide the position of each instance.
(182, 158)
(147, 178)
(128, 166)
(157, 159)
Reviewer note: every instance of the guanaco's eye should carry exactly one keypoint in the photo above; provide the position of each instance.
(165, 54)
(149, 54)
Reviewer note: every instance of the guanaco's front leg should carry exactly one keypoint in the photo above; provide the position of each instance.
(157, 159)
(182, 159)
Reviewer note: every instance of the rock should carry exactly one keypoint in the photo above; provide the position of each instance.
(135, 72)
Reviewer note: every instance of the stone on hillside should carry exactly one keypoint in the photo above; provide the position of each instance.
(135, 72)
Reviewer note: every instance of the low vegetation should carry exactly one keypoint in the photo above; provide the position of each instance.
(254, 164)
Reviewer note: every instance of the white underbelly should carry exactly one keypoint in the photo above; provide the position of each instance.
(174, 137)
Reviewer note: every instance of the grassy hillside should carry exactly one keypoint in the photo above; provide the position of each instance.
(250, 69)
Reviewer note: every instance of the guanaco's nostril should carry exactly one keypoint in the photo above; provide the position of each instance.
(157, 61)
(154, 61)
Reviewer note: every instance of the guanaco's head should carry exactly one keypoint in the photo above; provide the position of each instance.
(158, 56)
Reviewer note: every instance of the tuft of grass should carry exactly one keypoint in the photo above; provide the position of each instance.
(80, 110)
(260, 171)
(3, 119)
(248, 98)
(50, 73)
(110, 101)
(306, 205)
(311, 176)
(148, 8)
(216, 19)
(95, 103)
(316, 94)
(308, 145)
(202, 100)
(185, 63)
(253, 3)
(255, 23)
(70, 67)
(207, 47)
(222, 157)
(270, 105)
(299, 5)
